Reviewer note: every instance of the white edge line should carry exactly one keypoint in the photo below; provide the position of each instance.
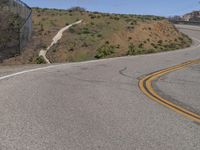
(85, 62)
(54, 66)
(26, 71)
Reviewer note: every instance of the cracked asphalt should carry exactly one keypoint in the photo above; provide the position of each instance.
(97, 105)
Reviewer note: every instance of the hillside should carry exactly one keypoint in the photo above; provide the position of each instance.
(100, 35)
(193, 16)
(9, 32)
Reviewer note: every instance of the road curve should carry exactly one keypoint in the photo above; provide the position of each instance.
(146, 85)
(94, 105)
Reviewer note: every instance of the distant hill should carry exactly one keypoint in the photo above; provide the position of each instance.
(100, 35)
(193, 16)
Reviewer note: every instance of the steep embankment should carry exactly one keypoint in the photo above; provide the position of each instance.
(100, 35)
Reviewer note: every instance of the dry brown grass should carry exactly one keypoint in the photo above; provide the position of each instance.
(82, 42)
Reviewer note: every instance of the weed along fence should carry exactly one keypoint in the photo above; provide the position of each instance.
(22, 14)
(25, 12)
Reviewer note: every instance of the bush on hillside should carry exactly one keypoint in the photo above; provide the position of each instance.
(104, 51)
(132, 49)
(40, 60)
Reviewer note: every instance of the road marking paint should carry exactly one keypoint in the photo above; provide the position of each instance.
(64, 64)
(145, 84)
(142, 81)
(85, 62)
(26, 71)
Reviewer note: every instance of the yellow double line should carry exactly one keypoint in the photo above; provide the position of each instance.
(145, 85)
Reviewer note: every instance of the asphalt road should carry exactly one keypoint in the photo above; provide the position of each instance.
(182, 87)
(97, 105)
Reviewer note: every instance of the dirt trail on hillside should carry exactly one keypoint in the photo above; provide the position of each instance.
(56, 38)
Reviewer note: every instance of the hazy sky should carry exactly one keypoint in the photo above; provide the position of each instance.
(150, 7)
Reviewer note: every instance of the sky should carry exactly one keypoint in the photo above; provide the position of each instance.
(147, 7)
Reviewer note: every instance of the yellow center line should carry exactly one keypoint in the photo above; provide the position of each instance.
(145, 85)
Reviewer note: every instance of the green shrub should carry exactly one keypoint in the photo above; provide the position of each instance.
(84, 44)
(134, 22)
(141, 45)
(152, 44)
(54, 48)
(130, 27)
(104, 51)
(160, 42)
(118, 46)
(107, 42)
(149, 51)
(71, 30)
(92, 16)
(173, 46)
(99, 35)
(116, 18)
(71, 49)
(40, 60)
(132, 49)
(129, 38)
(85, 31)
(181, 39)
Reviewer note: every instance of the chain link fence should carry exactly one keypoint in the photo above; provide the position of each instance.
(25, 12)
(22, 32)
